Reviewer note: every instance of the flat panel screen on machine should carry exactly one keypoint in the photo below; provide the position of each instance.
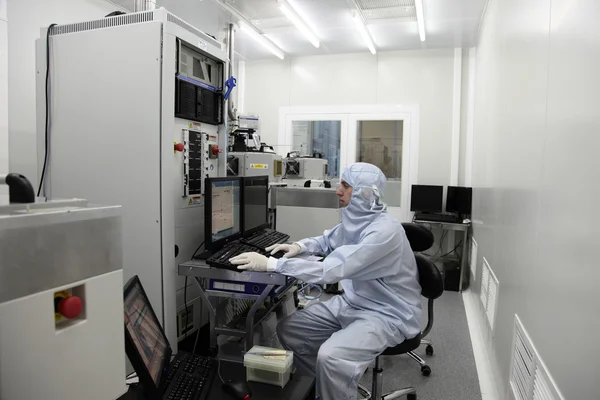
(223, 211)
(256, 202)
(144, 333)
(426, 198)
(459, 200)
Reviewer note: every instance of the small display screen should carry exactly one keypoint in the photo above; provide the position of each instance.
(225, 202)
(145, 331)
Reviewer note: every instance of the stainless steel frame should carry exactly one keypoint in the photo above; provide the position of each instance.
(201, 271)
(377, 388)
(464, 228)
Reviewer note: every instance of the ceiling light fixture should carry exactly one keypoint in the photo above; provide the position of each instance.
(420, 19)
(293, 16)
(266, 43)
(364, 32)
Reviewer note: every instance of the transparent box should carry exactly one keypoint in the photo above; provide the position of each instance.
(271, 368)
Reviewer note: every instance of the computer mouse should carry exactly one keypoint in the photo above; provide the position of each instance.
(279, 254)
(239, 390)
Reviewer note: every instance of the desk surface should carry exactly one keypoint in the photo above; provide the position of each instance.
(298, 388)
(448, 225)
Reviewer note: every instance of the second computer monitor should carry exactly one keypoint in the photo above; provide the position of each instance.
(458, 200)
(256, 203)
(426, 198)
(223, 221)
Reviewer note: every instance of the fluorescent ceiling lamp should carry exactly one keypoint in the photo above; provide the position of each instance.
(420, 19)
(293, 16)
(364, 32)
(266, 43)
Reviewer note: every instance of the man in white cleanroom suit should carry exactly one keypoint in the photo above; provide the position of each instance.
(369, 254)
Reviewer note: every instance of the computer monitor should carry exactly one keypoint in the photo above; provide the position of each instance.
(145, 342)
(255, 199)
(426, 198)
(459, 199)
(223, 222)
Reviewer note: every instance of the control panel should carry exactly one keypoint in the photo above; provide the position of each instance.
(200, 160)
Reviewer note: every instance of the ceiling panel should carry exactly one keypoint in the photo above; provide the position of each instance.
(392, 24)
(374, 11)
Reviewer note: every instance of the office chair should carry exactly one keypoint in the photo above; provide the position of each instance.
(432, 287)
(421, 239)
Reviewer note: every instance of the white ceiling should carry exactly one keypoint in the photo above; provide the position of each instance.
(448, 24)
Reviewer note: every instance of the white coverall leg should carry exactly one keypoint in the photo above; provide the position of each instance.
(336, 343)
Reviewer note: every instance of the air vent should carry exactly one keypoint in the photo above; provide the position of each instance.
(489, 292)
(529, 378)
(127, 19)
(133, 18)
(473, 259)
(374, 11)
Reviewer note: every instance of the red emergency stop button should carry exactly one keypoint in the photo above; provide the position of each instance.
(179, 147)
(70, 307)
(215, 150)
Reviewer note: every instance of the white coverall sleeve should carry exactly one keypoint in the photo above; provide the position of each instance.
(322, 244)
(370, 259)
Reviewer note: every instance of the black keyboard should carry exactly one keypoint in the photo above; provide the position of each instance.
(220, 259)
(451, 218)
(189, 377)
(267, 238)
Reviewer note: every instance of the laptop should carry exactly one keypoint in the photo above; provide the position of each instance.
(186, 377)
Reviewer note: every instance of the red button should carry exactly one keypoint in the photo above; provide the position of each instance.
(179, 147)
(215, 150)
(70, 307)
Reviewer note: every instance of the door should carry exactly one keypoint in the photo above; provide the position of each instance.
(384, 140)
(323, 135)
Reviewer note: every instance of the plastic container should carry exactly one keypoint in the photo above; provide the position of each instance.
(265, 369)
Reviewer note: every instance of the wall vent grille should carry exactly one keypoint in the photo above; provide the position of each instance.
(127, 19)
(529, 378)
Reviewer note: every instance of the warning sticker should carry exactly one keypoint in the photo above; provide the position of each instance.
(259, 166)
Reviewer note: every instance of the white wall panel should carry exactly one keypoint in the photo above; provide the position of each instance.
(423, 77)
(3, 98)
(535, 171)
(27, 17)
(267, 87)
(336, 79)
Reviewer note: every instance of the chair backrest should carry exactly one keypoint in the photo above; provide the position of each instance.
(419, 237)
(430, 278)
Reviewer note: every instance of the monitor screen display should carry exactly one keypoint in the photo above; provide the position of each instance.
(426, 198)
(256, 198)
(225, 208)
(459, 200)
(145, 331)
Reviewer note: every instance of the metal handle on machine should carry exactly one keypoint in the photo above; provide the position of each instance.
(20, 189)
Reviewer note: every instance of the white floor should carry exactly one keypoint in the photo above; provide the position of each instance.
(489, 388)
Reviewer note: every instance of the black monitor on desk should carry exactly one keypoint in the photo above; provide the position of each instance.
(222, 211)
(459, 200)
(255, 198)
(426, 198)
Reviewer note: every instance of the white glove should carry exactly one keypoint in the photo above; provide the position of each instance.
(290, 250)
(251, 262)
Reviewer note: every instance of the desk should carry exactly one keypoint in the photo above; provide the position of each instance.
(298, 388)
(199, 270)
(460, 227)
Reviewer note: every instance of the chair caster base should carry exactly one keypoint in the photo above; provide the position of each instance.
(426, 370)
